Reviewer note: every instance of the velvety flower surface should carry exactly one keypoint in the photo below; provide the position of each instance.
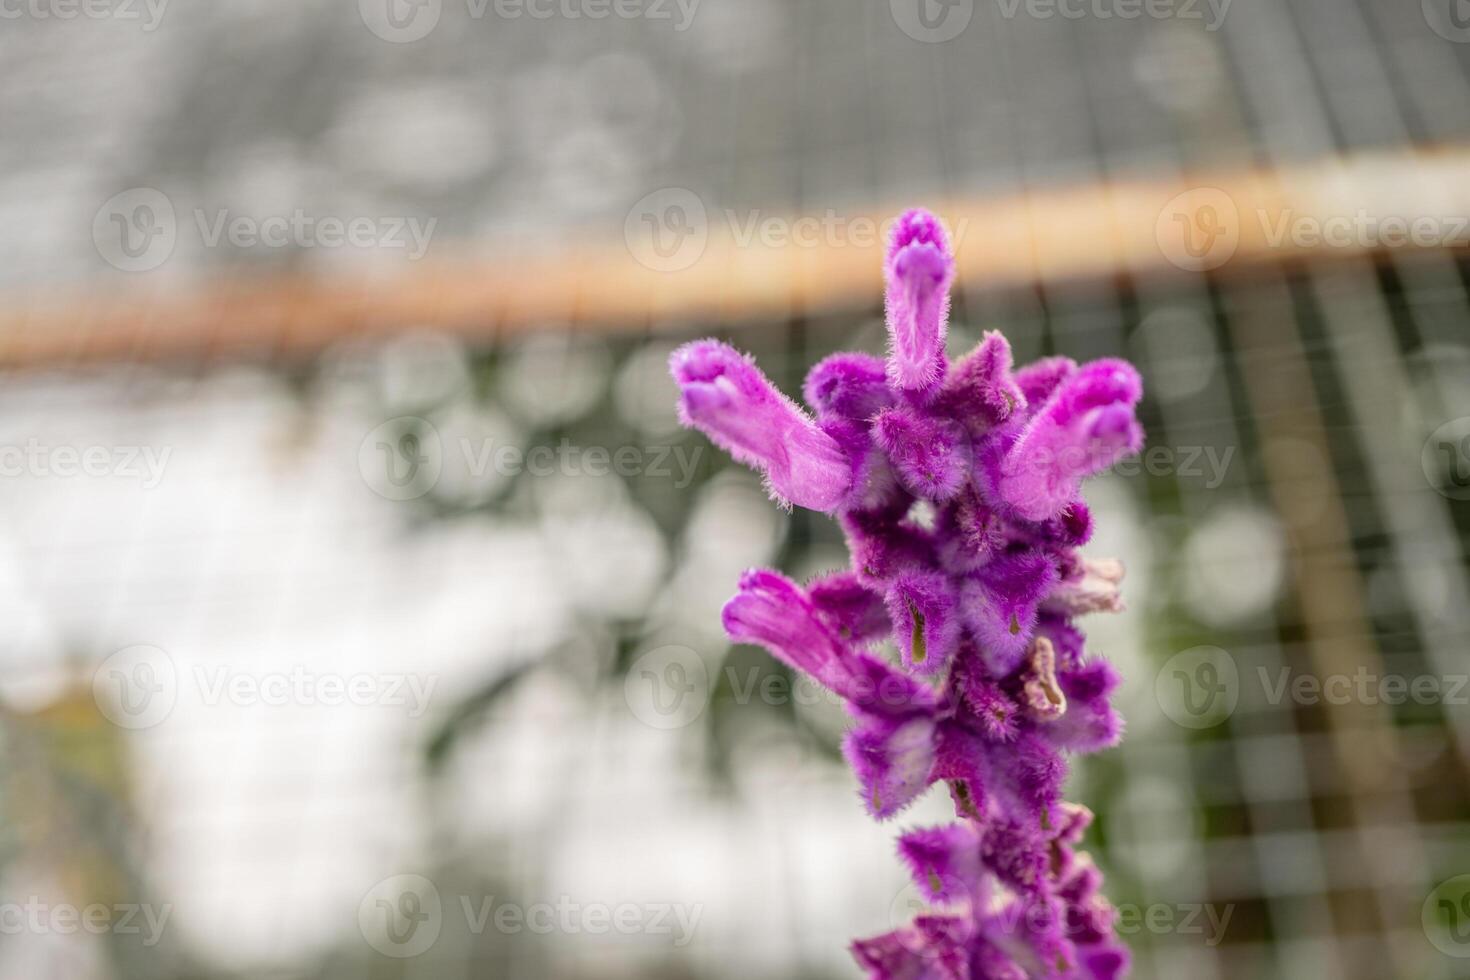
(957, 487)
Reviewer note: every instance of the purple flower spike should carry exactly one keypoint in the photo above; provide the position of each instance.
(919, 271)
(725, 396)
(1086, 425)
(980, 588)
(930, 455)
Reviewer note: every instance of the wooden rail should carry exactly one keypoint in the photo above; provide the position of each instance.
(1226, 222)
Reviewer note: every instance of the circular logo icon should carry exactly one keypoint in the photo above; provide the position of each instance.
(136, 687)
(402, 458)
(400, 21)
(1199, 230)
(932, 21)
(1450, 19)
(1446, 917)
(667, 231)
(401, 916)
(915, 901)
(1198, 688)
(1446, 459)
(136, 230)
(667, 687)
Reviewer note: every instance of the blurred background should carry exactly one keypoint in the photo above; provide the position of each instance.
(359, 592)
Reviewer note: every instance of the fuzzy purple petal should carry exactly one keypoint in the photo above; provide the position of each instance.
(919, 270)
(931, 455)
(980, 391)
(1086, 425)
(1000, 603)
(1039, 379)
(925, 617)
(851, 609)
(848, 386)
(944, 861)
(893, 759)
(725, 396)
